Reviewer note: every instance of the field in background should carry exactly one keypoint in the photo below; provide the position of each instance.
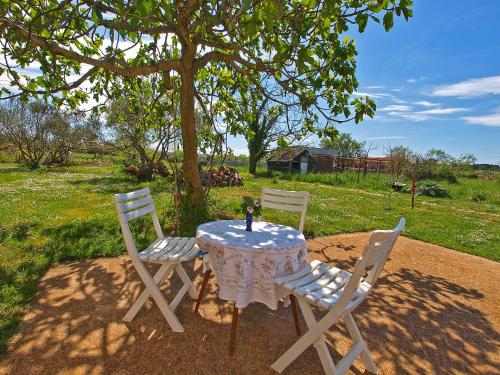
(479, 194)
(68, 213)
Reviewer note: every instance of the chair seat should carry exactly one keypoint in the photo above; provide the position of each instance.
(322, 285)
(170, 249)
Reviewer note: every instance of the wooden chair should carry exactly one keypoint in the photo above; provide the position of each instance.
(340, 292)
(286, 201)
(169, 252)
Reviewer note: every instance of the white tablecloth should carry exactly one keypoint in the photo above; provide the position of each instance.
(246, 264)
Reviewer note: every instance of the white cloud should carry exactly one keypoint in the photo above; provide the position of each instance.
(492, 120)
(399, 101)
(426, 103)
(411, 116)
(375, 87)
(377, 95)
(396, 108)
(387, 137)
(411, 80)
(470, 88)
(442, 111)
(418, 116)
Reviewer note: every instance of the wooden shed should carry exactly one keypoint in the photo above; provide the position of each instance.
(301, 159)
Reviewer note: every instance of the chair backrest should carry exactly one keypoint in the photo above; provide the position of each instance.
(287, 201)
(131, 206)
(375, 255)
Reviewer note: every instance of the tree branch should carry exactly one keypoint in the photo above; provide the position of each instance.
(54, 48)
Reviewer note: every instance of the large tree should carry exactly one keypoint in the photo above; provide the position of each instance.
(265, 123)
(298, 43)
(143, 119)
(42, 133)
(27, 126)
(346, 146)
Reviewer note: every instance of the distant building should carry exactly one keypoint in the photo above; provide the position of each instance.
(302, 159)
(313, 159)
(371, 163)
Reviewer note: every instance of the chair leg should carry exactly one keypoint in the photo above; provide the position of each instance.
(186, 280)
(158, 278)
(293, 302)
(158, 297)
(320, 344)
(202, 289)
(234, 323)
(366, 357)
(314, 336)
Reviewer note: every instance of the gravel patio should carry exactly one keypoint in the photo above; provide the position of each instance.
(434, 311)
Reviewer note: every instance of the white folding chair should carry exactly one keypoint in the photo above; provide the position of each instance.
(286, 201)
(169, 252)
(340, 292)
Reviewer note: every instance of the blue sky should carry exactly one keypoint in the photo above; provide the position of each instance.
(435, 79)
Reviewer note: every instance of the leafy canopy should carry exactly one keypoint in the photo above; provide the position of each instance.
(300, 45)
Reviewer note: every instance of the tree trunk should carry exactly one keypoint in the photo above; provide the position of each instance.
(189, 140)
(252, 162)
(256, 147)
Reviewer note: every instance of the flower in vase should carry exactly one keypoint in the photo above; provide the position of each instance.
(251, 205)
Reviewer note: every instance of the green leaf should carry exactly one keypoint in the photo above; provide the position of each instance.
(145, 7)
(45, 34)
(388, 21)
(407, 13)
(362, 21)
(309, 3)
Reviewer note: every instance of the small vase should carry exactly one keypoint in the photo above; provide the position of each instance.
(249, 222)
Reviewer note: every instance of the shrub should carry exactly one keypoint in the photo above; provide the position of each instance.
(471, 175)
(477, 197)
(423, 169)
(429, 189)
(445, 172)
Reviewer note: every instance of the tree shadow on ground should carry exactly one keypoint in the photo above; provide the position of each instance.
(108, 184)
(93, 238)
(121, 183)
(7, 170)
(414, 323)
(77, 239)
(19, 231)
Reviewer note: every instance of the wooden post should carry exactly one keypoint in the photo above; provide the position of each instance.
(234, 323)
(359, 167)
(412, 192)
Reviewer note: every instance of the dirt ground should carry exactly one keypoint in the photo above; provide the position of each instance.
(434, 311)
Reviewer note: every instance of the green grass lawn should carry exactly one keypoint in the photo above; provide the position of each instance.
(50, 215)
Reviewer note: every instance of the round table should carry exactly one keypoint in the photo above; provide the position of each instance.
(246, 264)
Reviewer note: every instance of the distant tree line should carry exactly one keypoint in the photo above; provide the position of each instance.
(40, 133)
(435, 164)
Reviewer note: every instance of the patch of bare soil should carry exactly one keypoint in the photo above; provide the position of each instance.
(434, 311)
